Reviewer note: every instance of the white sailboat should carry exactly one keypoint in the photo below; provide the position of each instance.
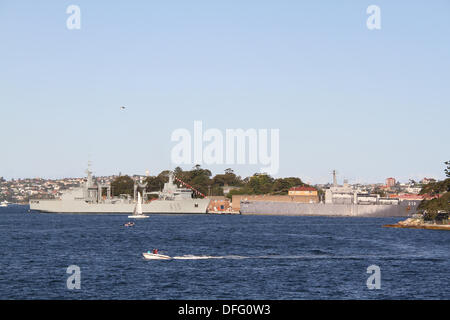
(137, 213)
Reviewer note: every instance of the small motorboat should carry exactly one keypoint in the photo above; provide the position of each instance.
(155, 256)
(129, 224)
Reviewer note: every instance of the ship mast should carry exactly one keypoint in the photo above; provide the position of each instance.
(189, 186)
(89, 175)
(334, 178)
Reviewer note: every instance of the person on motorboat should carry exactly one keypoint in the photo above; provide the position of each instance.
(155, 251)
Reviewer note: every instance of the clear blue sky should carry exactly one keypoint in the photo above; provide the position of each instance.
(371, 104)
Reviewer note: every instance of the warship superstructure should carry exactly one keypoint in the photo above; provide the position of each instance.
(92, 198)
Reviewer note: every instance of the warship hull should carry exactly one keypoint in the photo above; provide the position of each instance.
(331, 210)
(196, 206)
(90, 198)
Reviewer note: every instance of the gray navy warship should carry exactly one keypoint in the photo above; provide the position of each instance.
(89, 198)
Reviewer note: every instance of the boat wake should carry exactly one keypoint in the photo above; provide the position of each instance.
(303, 257)
(237, 257)
(193, 257)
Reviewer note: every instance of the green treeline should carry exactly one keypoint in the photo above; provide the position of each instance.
(203, 181)
(437, 209)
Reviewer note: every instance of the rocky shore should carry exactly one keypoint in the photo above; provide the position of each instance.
(416, 223)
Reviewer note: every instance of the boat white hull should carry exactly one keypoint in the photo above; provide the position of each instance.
(138, 217)
(198, 206)
(153, 256)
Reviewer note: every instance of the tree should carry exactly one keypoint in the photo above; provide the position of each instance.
(198, 178)
(379, 191)
(447, 170)
(436, 209)
(282, 185)
(122, 185)
(229, 178)
(260, 183)
(240, 191)
(435, 188)
(229, 171)
(157, 183)
(177, 171)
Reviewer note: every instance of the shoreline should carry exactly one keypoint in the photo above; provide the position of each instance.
(422, 226)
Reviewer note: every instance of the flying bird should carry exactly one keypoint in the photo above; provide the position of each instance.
(122, 108)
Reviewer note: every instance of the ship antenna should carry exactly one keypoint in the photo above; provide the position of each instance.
(334, 172)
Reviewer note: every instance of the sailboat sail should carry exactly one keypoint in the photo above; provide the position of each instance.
(139, 205)
(137, 212)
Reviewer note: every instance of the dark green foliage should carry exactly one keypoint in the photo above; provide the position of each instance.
(447, 170)
(437, 209)
(229, 178)
(260, 184)
(379, 191)
(157, 183)
(434, 188)
(265, 184)
(202, 180)
(434, 206)
(122, 185)
(282, 185)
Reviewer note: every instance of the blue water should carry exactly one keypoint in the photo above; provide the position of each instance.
(251, 257)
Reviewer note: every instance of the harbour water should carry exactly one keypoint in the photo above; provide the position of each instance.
(218, 257)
